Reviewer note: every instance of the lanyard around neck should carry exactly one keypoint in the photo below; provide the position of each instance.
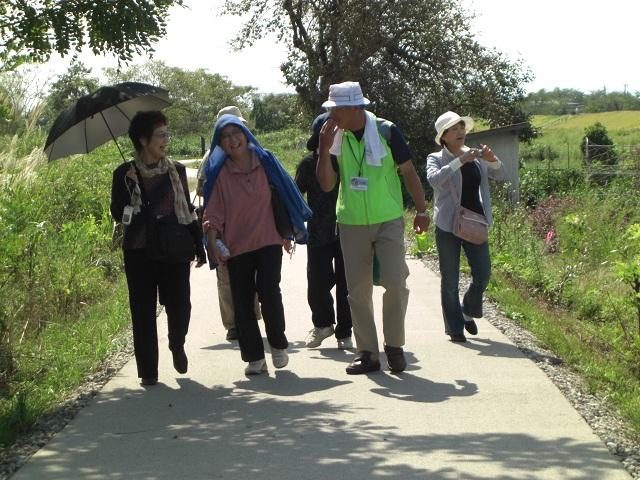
(361, 161)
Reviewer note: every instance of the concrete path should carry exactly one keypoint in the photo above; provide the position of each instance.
(473, 411)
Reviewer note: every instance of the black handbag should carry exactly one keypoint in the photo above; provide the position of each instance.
(281, 214)
(168, 240)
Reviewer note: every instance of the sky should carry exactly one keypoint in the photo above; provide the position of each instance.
(579, 44)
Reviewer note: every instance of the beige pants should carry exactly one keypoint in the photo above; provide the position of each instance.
(226, 301)
(359, 243)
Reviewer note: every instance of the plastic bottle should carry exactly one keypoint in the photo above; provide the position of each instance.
(223, 248)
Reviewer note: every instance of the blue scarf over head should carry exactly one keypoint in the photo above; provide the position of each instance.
(299, 211)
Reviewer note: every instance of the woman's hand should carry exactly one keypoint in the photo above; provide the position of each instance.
(287, 245)
(469, 156)
(214, 251)
(487, 154)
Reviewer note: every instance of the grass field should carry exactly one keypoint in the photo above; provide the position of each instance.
(564, 133)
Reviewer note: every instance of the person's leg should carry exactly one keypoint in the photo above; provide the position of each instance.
(269, 265)
(320, 281)
(390, 251)
(142, 285)
(343, 312)
(175, 290)
(225, 300)
(242, 273)
(448, 246)
(480, 264)
(357, 249)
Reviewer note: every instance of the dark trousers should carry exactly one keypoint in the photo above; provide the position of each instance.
(325, 268)
(146, 280)
(251, 272)
(449, 247)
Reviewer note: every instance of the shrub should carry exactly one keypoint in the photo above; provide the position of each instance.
(601, 148)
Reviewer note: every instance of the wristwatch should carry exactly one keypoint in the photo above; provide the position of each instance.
(423, 214)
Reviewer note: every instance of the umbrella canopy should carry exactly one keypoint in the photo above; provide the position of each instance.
(101, 116)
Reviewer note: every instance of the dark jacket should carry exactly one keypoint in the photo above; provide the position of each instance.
(322, 225)
(135, 234)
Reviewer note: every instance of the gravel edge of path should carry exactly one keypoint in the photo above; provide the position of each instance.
(596, 410)
(17, 454)
(599, 414)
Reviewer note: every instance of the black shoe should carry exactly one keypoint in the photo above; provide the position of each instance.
(395, 358)
(471, 327)
(147, 382)
(180, 361)
(458, 338)
(232, 334)
(363, 364)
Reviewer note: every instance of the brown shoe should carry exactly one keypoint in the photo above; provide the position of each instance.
(363, 364)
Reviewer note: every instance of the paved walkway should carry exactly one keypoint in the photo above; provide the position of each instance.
(473, 411)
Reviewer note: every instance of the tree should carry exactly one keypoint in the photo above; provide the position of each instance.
(197, 95)
(76, 82)
(277, 111)
(414, 58)
(33, 29)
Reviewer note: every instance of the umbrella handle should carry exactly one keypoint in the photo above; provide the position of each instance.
(112, 136)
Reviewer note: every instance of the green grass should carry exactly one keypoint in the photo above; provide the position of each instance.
(63, 301)
(564, 133)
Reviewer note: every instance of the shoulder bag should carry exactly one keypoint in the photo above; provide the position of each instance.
(467, 224)
(281, 214)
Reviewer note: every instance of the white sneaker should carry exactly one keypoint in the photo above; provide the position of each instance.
(345, 343)
(280, 357)
(256, 368)
(317, 335)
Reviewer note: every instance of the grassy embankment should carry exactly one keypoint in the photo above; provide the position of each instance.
(63, 302)
(557, 263)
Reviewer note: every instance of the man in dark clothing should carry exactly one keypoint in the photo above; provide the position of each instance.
(325, 266)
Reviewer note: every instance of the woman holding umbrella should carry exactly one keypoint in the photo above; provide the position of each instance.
(146, 193)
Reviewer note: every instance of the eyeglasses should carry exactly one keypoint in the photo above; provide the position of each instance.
(163, 135)
(230, 134)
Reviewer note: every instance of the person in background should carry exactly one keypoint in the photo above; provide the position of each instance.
(325, 265)
(464, 172)
(151, 186)
(370, 217)
(225, 300)
(239, 215)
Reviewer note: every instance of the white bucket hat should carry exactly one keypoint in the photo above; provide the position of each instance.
(231, 110)
(345, 94)
(448, 120)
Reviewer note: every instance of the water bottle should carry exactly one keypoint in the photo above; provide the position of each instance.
(223, 248)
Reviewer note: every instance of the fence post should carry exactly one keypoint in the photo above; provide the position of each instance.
(587, 162)
(202, 146)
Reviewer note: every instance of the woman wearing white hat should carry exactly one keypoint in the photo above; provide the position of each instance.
(459, 176)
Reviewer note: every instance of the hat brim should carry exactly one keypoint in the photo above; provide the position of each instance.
(468, 126)
(332, 104)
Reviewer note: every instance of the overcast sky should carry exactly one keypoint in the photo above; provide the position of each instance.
(579, 44)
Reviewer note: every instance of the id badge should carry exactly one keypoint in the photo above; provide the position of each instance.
(127, 215)
(360, 184)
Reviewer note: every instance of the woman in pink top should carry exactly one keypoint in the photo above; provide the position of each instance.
(240, 214)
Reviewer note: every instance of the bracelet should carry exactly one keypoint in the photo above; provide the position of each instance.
(423, 214)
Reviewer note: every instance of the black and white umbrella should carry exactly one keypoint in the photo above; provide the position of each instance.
(101, 116)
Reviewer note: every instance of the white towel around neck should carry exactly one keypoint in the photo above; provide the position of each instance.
(374, 150)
